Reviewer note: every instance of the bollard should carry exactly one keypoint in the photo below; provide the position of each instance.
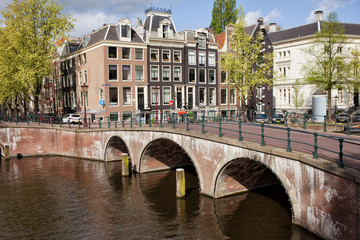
(304, 126)
(123, 122)
(125, 165)
(180, 183)
(286, 120)
(202, 124)
(7, 152)
(131, 120)
(325, 119)
(187, 123)
(315, 155)
(347, 127)
(89, 122)
(173, 120)
(109, 122)
(161, 120)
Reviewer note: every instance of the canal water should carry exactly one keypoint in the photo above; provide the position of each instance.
(60, 198)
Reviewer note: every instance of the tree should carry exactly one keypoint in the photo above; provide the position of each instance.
(31, 27)
(224, 12)
(247, 65)
(327, 67)
(297, 97)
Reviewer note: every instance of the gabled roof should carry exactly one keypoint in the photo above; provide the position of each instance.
(309, 30)
(108, 32)
(220, 39)
(152, 22)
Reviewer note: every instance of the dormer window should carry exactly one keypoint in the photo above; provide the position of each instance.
(165, 31)
(202, 41)
(125, 31)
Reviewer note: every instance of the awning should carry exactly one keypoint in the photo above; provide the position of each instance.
(182, 112)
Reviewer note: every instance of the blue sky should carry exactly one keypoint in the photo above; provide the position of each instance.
(192, 14)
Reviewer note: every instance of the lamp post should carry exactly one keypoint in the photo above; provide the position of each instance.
(156, 88)
(84, 87)
(336, 99)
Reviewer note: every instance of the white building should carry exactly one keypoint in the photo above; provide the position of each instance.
(289, 58)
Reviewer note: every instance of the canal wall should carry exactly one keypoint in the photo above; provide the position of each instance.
(325, 199)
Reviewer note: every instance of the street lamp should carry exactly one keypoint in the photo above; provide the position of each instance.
(336, 99)
(84, 88)
(156, 89)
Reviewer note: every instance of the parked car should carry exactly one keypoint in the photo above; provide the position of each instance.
(356, 117)
(278, 118)
(72, 119)
(343, 118)
(261, 118)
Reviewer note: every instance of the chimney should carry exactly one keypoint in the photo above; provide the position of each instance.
(318, 16)
(260, 20)
(272, 27)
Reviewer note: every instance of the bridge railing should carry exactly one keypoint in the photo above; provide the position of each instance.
(248, 127)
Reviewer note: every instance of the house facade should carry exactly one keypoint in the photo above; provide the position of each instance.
(290, 58)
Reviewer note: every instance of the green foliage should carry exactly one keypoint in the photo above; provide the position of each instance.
(224, 12)
(327, 68)
(297, 97)
(247, 65)
(31, 27)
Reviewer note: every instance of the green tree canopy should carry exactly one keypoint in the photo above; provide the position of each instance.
(327, 66)
(224, 12)
(247, 65)
(30, 29)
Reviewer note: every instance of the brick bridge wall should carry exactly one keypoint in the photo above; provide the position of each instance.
(324, 198)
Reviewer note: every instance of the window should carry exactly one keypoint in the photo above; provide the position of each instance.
(177, 73)
(177, 56)
(84, 56)
(202, 41)
(223, 93)
(139, 54)
(114, 116)
(154, 55)
(113, 72)
(165, 29)
(223, 77)
(212, 96)
(232, 96)
(190, 101)
(80, 80)
(126, 96)
(126, 73)
(139, 73)
(192, 59)
(125, 31)
(201, 75)
(211, 59)
(113, 96)
(85, 77)
(259, 92)
(202, 96)
(192, 75)
(112, 52)
(166, 73)
(154, 73)
(155, 96)
(166, 55)
(166, 95)
(211, 76)
(125, 53)
(202, 59)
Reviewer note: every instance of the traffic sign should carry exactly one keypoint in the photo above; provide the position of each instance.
(102, 102)
(171, 103)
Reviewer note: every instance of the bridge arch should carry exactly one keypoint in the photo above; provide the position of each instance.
(114, 149)
(241, 174)
(164, 153)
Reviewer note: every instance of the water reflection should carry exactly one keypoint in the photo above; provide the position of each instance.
(57, 198)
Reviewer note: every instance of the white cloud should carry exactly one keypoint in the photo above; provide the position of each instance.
(274, 16)
(328, 6)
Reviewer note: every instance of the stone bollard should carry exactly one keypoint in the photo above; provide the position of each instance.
(125, 165)
(180, 183)
(7, 152)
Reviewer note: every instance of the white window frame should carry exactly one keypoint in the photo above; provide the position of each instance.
(192, 57)
(169, 57)
(214, 82)
(180, 75)
(226, 93)
(202, 70)
(164, 96)
(142, 70)
(128, 97)
(194, 75)
(162, 75)
(117, 73)
(212, 61)
(202, 59)
(158, 77)
(122, 72)
(179, 56)
(155, 50)
(142, 54)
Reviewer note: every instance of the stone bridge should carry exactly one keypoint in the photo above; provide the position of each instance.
(325, 199)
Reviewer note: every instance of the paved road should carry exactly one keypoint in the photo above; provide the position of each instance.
(274, 135)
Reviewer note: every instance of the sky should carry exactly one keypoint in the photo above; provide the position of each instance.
(193, 14)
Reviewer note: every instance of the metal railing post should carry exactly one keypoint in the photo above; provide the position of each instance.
(315, 155)
(288, 149)
(304, 126)
(262, 135)
(341, 154)
(240, 137)
(131, 120)
(123, 121)
(140, 120)
(325, 120)
(203, 124)
(286, 120)
(89, 123)
(161, 120)
(220, 134)
(150, 120)
(187, 123)
(173, 120)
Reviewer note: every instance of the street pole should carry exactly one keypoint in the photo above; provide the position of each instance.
(84, 87)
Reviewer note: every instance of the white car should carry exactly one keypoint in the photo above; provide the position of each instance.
(72, 119)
